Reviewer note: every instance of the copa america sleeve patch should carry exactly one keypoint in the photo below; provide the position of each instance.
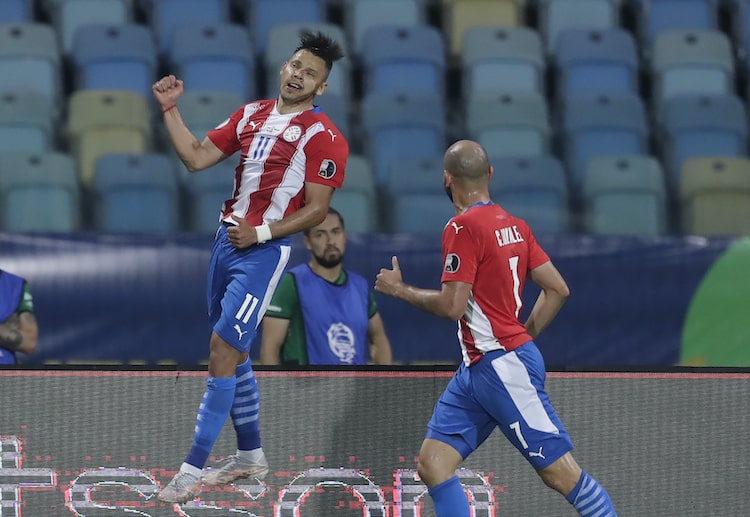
(452, 263)
(327, 169)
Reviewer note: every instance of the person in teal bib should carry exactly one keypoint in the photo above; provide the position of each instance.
(322, 313)
(18, 327)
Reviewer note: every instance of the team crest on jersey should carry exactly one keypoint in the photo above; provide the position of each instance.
(341, 341)
(292, 133)
(452, 263)
(327, 169)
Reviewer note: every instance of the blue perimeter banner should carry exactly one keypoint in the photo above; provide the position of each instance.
(141, 299)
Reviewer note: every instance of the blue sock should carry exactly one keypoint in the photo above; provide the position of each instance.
(212, 413)
(245, 408)
(589, 498)
(450, 499)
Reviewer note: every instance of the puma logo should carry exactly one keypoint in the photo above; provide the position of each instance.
(254, 124)
(539, 454)
(241, 333)
(456, 227)
(333, 135)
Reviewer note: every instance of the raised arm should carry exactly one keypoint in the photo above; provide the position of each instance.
(194, 154)
(551, 299)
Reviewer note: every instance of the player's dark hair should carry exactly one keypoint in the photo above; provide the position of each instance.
(331, 210)
(325, 47)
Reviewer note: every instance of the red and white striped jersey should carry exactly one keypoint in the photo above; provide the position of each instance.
(494, 252)
(279, 153)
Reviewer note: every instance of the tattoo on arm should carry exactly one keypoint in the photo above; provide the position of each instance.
(10, 335)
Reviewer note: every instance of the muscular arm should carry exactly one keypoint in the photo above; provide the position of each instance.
(380, 346)
(551, 299)
(20, 333)
(449, 302)
(274, 334)
(317, 199)
(194, 154)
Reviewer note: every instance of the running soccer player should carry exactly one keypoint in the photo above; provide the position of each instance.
(291, 159)
(488, 254)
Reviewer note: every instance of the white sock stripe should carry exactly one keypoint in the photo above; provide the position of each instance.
(244, 389)
(245, 376)
(242, 401)
(241, 410)
(242, 421)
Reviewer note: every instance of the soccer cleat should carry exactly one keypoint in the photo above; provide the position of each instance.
(183, 488)
(232, 469)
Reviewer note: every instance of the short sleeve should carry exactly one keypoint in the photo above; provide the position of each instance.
(537, 256)
(27, 302)
(285, 300)
(326, 154)
(224, 136)
(460, 259)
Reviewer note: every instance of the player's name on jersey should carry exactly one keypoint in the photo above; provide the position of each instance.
(508, 235)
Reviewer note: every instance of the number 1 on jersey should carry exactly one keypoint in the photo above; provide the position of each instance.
(516, 282)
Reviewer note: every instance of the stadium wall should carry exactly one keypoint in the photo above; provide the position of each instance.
(635, 301)
(99, 443)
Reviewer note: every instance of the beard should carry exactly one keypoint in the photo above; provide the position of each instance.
(329, 261)
(449, 192)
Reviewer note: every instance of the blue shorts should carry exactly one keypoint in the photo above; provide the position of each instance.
(505, 390)
(240, 286)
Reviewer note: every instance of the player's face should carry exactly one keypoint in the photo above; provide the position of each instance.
(303, 77)
(327, 242)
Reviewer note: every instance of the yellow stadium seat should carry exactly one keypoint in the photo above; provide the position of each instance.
(461, 15)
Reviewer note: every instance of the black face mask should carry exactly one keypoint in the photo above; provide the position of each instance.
(449, 192)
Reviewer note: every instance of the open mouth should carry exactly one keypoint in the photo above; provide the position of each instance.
(294, 86)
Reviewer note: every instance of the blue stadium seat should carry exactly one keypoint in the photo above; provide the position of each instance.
(30, 60)
(106, 122)
(362, 15)
(557, 16)
(596, 61)
(25, 122)
(625, 195)
(357, 200)
(602, 125)
(29, 181)
(263, 15)
(415, 197)
(399, 58)
(67, 16)
(402, 126)
(135, 193)
(205, 193)
(16, 11)
(653, 17)
(701, 126)
(510, 124)
(167, 15)
(283, 39)
(692, 61)
(214, 57)
(502, 59)
(337, 109)
(116, 57)
(715, 196)
(533, 188)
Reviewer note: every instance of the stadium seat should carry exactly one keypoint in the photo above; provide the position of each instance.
(600, 61)
(115, 57)
(701, 125)
(502, 59)
(104, 122)
(510, 124)
(692, 62)
(557, 16)
(357, 199)
(167, 15)
(205, 194)
(362, 15)
(29, 181)
(337, 109)
(16, 11)
(399, 58)
(625, 195)
(135, 192)
(25, 122)
(654, 17)
(533, 188)
(214, 57)
(67, 16)
(459, 16)
(602, 125)
(283, 39)
(30, 60)
(263, 15)
(715, 196)
(402, 126)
